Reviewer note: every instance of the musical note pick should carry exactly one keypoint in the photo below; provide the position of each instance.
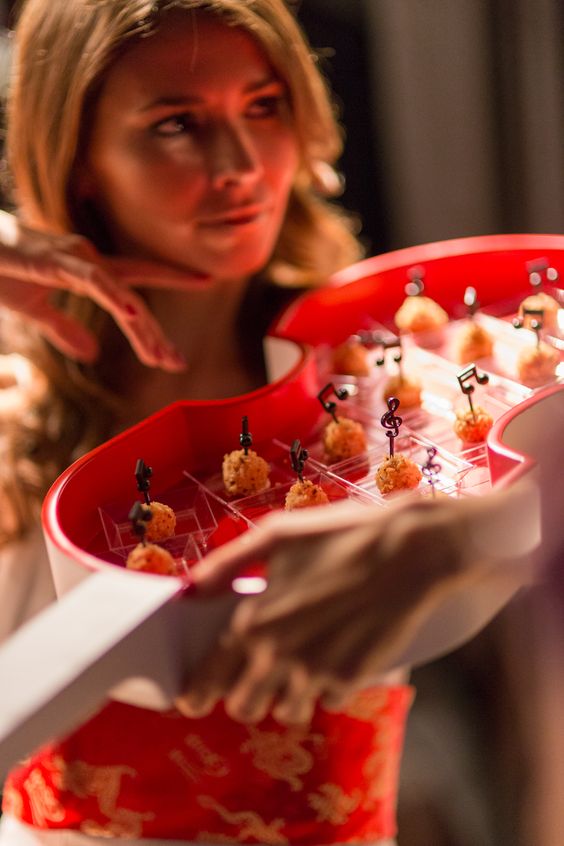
(140, 516)
(471, 300)
(298, 457)
(468, 389)
(533, 318)
(245, 438)
(390, 344)
(431, 468)
(416, 285)
(540, 270)
(142, 474)
(329, 405)
(390, 420)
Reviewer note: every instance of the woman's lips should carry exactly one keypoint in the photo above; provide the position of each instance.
(239, 216)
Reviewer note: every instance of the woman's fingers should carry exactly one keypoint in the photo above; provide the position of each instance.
(147, 274)
(251, 696)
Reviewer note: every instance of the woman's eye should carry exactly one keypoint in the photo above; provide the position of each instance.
(266, 106)
(175, 125)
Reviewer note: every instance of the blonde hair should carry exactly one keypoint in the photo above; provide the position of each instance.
(63, 48)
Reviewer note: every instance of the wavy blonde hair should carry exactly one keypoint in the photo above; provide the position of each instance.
(63, 50)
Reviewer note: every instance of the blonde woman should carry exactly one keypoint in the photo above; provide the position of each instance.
(181, 148)
(196, 136)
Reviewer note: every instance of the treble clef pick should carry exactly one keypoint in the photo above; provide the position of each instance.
(431, 468)
(391, 421)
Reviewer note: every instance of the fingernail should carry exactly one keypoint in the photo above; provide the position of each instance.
(131, 310)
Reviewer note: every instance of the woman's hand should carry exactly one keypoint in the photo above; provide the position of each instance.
(34, 263)
(347, 588)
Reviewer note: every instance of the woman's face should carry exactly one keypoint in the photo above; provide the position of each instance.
(192, 154)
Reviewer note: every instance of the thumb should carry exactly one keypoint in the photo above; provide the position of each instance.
(215, 573)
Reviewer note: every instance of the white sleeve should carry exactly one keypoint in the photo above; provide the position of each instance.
(26, 586)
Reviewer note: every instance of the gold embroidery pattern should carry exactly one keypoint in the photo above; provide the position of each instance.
(214, 764)
(333, 805)
(249, 823)
(364, 706)
(281, 756)
(209, 763)
(381, 767)
(104, 784)
(12, 801)
(44, 805)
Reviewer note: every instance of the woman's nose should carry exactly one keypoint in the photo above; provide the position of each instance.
(233, 157)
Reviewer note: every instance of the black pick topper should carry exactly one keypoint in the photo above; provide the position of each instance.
(471, 300)
(140, 515)
(468, 389)
(539, 270)
(143, 474)
(298, 457)
(536, 322)
(415, 285)
(431, 468)
(245, 438)
(393, 343)
(329, 405)
(392, 421)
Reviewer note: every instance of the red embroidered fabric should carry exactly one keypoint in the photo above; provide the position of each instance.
(131, 772)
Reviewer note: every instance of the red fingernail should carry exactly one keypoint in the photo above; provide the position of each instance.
(131, 310)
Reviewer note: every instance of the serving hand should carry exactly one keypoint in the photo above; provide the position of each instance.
(347, 588)
(33, 264)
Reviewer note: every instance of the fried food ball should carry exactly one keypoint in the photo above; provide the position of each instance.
(162, 523)
(397, 472)
(537, 364)
(406, 389)
(150, 558)
(537, 302)
(472, 427)
(351, 359)
(420, 314)
(304, 494)
(244, 475)
(472, 342)
(343, 439)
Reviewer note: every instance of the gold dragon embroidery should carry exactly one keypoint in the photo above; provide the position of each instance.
(332, 804)
(249, 823)
(44, 805)
(282, 756)
(104, 784)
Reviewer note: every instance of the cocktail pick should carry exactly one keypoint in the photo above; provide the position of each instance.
(390, 420)
(471, 301)
(431, 468)
(140, 516)
(467, 389)
(390, 344)
(329, 405)
(245, 438)
(415, 285)
(536, 323)
(298, 457)
(539, 270)
(143, 474)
